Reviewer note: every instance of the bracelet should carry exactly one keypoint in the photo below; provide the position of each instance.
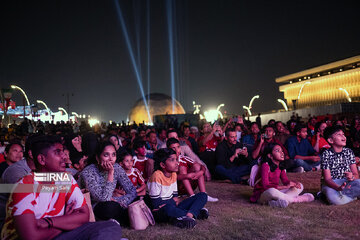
(49, 221)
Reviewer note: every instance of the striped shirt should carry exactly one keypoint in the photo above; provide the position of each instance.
(162, 188)
(40, 203)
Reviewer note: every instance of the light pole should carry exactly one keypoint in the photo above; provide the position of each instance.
(47, 109)
(43, 103)
(284, 104)
(23, 92)
(347, 94)
(62, 109)
(302, 89)
(248, 109)
(74, 113)
(252, 100)
(250, 104)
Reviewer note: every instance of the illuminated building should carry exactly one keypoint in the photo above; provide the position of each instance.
(159, 104)
(333, 83)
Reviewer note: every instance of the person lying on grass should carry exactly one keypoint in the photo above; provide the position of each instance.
(191, 174)
(267, 189)
(162, 188)
(340, 178)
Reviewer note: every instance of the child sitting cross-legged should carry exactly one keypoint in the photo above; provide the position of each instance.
(127, 162)
(190, 174)
(340, 178)
(162, 188)
(267, 189)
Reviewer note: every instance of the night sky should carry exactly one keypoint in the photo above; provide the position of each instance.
(226, 51)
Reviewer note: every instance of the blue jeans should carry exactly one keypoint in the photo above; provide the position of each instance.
(340, 198)
(93, 230)
(234, 174)
(192, 205)
(307, 165)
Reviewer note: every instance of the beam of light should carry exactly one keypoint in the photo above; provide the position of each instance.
(302, 89)
(22, 91)
(169, 10)
(148, 48)
(137, 21)
(247, 109)
(132, 57)
(252, 100)
(347, 94)
(283, 103)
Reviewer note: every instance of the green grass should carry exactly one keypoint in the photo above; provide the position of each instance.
(234, 217)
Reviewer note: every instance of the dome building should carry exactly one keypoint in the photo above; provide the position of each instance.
(159, 104)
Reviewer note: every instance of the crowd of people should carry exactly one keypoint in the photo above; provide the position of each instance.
(168, 167)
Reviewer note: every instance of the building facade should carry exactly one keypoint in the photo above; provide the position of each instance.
(329, 84)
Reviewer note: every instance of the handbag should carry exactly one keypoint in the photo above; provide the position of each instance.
(140, 215)
(88, 203)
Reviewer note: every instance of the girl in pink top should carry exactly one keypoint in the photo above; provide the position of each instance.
(267, 189)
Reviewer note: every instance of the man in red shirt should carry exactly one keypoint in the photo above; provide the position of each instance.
(208, 142)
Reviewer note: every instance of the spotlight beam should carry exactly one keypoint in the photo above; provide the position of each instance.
(132, 57)
(169, 9)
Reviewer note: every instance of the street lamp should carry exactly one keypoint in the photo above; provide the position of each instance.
(74, 113)
(22, 91)
(252, 100)
(62, 109)
(248, 109)
(43, 103)
(250, 104)
(347, 94)
(302, 89)
(283, 103)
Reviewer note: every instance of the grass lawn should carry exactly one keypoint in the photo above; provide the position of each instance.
(234, 217)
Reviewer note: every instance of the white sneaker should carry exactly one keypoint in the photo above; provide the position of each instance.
(299, 170)
(212, 199)
(281, 203)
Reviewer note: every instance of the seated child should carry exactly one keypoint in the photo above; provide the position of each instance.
(162, 188)
(141, 162)
(340, 178)
(126, 162)
(190, 174)
(267, 189)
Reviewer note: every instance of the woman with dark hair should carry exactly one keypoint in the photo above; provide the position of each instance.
(114, 139)
(101, 180)
(267, 189)
(318, 141)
